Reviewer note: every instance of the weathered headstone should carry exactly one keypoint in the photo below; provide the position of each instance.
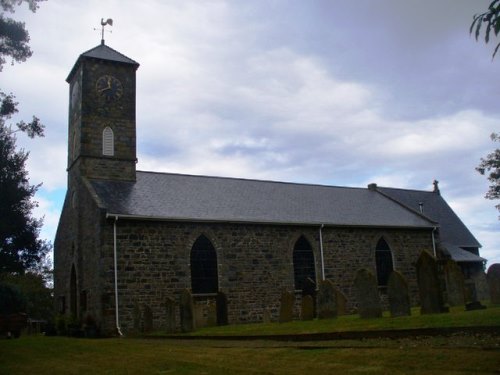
(341, 302)
(186, 311)
(286, 306)
(493, 277)
(137, 317)
(326, 300)
(307, 308)
(455, 287)
(397, 294)
(365, 286)
(266, 316)
(200, 319)
(169, 315)
(211, 313)
(309, 289)
(482, 288)
(431, 297)
(148, 319)
(221, 307)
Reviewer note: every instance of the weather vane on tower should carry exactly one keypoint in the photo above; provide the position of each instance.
(109, 22)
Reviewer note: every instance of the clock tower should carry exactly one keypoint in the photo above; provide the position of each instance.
(102, 129)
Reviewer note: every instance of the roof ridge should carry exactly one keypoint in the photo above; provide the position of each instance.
(255, 180)
(112, 49)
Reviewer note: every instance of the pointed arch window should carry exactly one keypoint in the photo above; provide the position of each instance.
(108, 142)
(383, 262)
(204, 278)
(303, 263)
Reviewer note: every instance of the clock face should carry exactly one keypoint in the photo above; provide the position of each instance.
(109, 87)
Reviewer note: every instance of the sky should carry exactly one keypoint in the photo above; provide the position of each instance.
(333, 92)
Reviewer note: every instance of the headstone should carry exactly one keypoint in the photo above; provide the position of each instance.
(211, 314)
(148, 319)
(365, 286)
(186, 311)
(431, 297)
(169, 315)
(266, 316)
(482, 288)
(286, 306)
(221, 306)
(137, 317)
(200, 319)
(493, 277)
(307, 308)
(326, 301)
(397, 293)
(341, 302)
(309, 289)
(455, 287)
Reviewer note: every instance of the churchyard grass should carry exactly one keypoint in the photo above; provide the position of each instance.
(457, 317)
(460, 353)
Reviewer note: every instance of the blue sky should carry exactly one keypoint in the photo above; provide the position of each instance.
(332, 92)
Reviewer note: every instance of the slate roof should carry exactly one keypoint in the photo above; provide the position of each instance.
(102, 52)
(166, 196)
(453, 233)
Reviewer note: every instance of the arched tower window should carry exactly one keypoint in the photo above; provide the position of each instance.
(303, 263)
(203, 267)
(383, 262)
(108, 142)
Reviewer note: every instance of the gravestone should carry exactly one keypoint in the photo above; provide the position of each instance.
(309, 289)
(212, 313)
(397, 293)
(431, 297)
(137, 317)
(200, 319)
(455, 287)
(169, 315)
(307, 308)
(148, 319)
(493, 277)
(221, 307)
(366, 289)
(286, 306)
(186, 308)
(341, 302)
(326, 301)
(482, 288)
(266, 316)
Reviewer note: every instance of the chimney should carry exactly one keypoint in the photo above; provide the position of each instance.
(372, 187)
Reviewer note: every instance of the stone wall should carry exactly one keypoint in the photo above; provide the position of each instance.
(254, 263)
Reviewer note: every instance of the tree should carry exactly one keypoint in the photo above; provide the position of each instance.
(491, 166)
(20, 247)
(490, 18)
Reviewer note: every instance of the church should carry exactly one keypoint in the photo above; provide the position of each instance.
(128, 241)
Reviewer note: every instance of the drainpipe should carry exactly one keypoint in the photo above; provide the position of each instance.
(116, 279)
(434, 242)
(321, 252)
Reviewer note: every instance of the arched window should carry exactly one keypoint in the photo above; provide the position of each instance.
(383, 262)
(303, 263)
(203, 267)
(108, 142)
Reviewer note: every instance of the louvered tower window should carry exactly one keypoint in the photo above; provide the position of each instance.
(108, 142)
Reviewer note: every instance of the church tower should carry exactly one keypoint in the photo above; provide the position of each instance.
(102, 129)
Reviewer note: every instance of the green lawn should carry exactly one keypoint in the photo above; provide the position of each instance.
(457, 317)
(458, 354)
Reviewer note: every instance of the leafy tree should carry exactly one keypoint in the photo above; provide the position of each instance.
(20, 247)
(491, 19)
(491, 166)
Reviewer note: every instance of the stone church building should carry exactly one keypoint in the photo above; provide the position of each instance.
(130, 240)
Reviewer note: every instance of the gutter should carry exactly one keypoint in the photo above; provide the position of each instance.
(117, 316)
(321, 252)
